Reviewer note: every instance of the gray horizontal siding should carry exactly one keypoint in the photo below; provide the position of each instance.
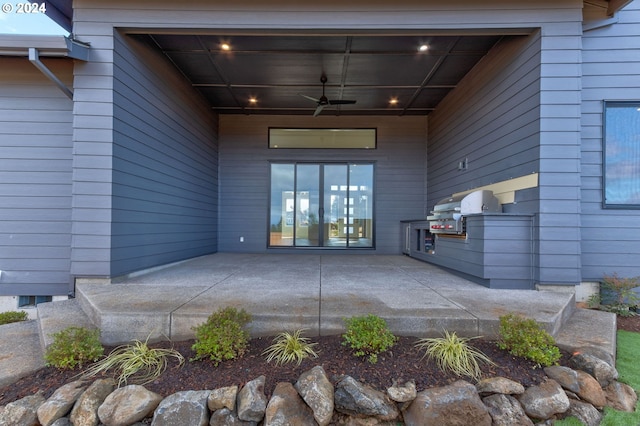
(164, 193)
(244, 170)
(35, 179)
(611, 71)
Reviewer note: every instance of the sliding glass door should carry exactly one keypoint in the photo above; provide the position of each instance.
(321, 205)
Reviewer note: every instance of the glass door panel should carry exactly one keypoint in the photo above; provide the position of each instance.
(307, 205)
(335, 217)
(321, 205)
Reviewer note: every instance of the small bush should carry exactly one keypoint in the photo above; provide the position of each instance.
(526, 338)
(454, 354)
(136, 361)
(368, 336)
(290, 347)
(222, 336)
(617, 294)
(73, 347)
(13, 316)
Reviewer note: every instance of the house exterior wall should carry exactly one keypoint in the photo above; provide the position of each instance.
(35, 179)
(611, 71)
(165, 164)
(555, 201)
(244, 167)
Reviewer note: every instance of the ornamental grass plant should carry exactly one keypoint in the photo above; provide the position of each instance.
(454, 354)
(290, 347)
(136, 363)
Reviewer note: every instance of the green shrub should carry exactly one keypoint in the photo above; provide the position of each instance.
(74, 346)
(290, 347)
(617, 294)
(13, 316)
(368, 336)
(453, 353)
(526, 338)
(222, 336)
(136, 361)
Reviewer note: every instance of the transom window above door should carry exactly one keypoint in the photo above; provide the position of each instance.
(321, 205)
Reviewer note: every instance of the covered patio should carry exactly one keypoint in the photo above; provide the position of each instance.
(310, 291)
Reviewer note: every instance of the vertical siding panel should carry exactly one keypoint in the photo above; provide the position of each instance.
(611, 70)
(35, 179)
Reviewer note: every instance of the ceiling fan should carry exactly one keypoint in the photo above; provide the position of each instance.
(324, 101)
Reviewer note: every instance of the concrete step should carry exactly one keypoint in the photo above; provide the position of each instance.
(20, 351)
(56, 316)
(588, 327)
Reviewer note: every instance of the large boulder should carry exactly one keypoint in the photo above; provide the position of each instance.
(127, 405)
(317, 391)
(585, 412)
(499, 385)
(252, 402)
(505, 410)
(580, 383)
(455, 405)
(358, 400)
(621, 397)
(601, 370)
(545, 400)
(286, 408)
(22, 412)
(60, 403)
(85, 410)
(223, 398)
(183, 408)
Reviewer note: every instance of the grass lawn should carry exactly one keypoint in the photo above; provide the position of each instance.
(628, 348)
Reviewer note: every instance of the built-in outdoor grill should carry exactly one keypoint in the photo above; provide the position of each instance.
(448, 215)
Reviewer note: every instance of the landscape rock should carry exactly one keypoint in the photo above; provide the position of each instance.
(598, 353)
(286, 408)
(621, 397)
(454, 405)
(22, 412)
(252, 402)
(223, 397)
(183, 408)
(226, 417)
(62, 421)
(346, 420)
(545, 400)
(60, 403)
(581, 383)
(358, 400)
(85, 410)
(317, 392)
(499, 385)
(505, 410)
(404, 393)
(127, 405)
(601, 370)
(585, 412)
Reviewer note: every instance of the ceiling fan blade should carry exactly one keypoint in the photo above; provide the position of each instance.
(310, 98)
(341, 102)
(318, 110)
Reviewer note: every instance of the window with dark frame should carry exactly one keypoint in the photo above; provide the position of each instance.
(621, 154)
(26, 301)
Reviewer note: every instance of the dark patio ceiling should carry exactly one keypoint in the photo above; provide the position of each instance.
(275, 71)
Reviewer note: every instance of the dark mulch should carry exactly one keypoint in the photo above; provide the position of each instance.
(404, 362)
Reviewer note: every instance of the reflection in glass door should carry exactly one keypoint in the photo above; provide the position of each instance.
(321, 205)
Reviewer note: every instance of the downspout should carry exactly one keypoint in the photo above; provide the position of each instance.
(34, 58)
(75, 49)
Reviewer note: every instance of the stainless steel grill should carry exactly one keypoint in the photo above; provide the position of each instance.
(448, 215)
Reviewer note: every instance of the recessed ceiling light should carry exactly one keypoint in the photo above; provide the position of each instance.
(423, 48)
(253, 100)
(393, 101)
(225, 46)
